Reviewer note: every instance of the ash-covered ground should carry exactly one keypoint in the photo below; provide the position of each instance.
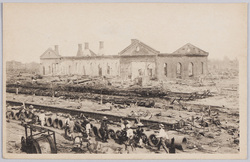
(128, 99)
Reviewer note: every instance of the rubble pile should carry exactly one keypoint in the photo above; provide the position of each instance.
(57, 120)
(184, 102)
(96, 89)
(124, 100)
(207, 128)
(143, 96)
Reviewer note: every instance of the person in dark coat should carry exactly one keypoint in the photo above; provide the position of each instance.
(22, 116)
(139, 133)
(104, 129)
(172, 147)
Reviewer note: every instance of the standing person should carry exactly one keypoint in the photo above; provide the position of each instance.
(202, 120)
(139, 132)
(101, 100)
(16, 91)
(138, 120)
(123, 124)
(88, 128)
(104, 129)
(192, 118)
(122, 137)
(23, 106)
(22, 116)
(71, 125)
(172, 147)
(32, 115)
(130, 135)
(42, 118)
(163, 137)
(209, 110)
(67, 120)
(79, 125)
(82, 116)
(30, 112)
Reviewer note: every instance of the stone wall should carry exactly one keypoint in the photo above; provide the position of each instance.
(93, 66)
(190, 66)
(49, 66)
(129, 67)
(134, 66)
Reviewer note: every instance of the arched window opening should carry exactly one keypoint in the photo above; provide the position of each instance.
(56, 68)
(43, 70)
(108, 69)
(69, 69)
(178, 70)
(165, 69)
(202, 68)
(100, 70)
(53, 65)
(150, 70)
(190, 69)
(90, 72)
(76, 68)
(83, 70)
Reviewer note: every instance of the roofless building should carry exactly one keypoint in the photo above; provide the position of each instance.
(136, 60)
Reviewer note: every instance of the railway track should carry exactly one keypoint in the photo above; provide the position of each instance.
(97, 115)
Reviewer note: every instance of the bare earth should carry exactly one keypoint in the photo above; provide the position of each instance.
(215, 140)
(212, 139)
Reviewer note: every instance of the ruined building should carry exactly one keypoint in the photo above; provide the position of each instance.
(136, 60)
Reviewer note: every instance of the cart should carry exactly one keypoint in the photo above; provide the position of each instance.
(39, 141)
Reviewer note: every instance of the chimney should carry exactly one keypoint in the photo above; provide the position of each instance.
(56, 49)
(79, 52)
(101, 45)
(101, 48)
(86, 45)
(86, 51)
(134, 41)
(79, 47)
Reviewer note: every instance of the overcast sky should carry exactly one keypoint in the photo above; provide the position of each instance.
(30, 29)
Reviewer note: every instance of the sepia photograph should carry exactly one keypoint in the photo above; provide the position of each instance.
(124, 81)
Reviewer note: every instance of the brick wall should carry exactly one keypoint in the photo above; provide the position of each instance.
(144, 61)
(172, 61)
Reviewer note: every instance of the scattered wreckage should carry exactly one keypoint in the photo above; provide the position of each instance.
(44, 140)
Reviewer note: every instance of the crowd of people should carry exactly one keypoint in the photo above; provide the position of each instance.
(131, 135)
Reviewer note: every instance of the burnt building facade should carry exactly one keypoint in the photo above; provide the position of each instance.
(136, 60)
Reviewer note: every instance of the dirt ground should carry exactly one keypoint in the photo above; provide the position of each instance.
(16, 131)
(214, 139)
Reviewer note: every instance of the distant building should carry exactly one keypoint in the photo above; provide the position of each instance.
(15, 66)
(136, 60)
